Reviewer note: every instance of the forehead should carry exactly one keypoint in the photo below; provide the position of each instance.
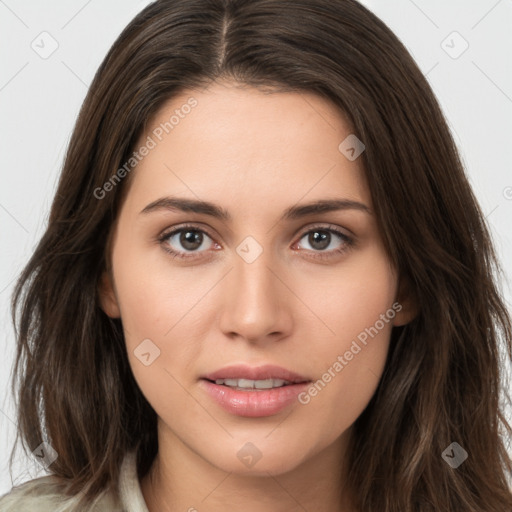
(229, 143)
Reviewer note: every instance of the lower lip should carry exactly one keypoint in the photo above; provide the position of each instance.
(253, 403)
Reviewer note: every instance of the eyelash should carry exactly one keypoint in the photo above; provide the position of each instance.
(348, 242)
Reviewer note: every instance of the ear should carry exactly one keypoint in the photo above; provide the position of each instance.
(407, 308)
(107, 296)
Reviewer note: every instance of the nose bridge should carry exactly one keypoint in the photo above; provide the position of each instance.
(253, 301)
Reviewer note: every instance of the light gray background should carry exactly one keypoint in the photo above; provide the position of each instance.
(40, 99)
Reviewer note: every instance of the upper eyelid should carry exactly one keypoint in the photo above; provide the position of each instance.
(172, 231)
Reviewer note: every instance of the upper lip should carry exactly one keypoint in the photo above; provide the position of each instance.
(264, 372)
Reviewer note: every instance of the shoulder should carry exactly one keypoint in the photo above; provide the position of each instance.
(46, 494)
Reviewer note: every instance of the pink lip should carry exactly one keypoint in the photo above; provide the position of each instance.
(267, 371)
(254, 403)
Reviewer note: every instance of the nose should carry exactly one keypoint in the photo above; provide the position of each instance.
(256, 305)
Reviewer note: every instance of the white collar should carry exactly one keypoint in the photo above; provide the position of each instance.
(130, 492)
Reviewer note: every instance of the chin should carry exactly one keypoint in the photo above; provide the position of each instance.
(259, 459)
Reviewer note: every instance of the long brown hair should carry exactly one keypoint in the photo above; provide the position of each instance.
(442, 380)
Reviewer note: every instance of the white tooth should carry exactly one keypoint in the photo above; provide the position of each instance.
(268, 383)
(253, 384)
(246, 383)
(264, 384)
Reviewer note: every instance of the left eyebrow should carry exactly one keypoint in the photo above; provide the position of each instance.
(322, 206)
(291, 213)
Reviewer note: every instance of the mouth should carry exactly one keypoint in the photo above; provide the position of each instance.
(264, 375)
(254, 391)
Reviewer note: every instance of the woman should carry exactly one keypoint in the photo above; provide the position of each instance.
(265, 280)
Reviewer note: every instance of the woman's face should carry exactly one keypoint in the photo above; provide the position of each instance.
(268, 282)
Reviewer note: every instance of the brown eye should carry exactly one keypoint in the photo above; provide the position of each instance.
(319, 240)
(324, 240)
(191, 240)
(185, 240)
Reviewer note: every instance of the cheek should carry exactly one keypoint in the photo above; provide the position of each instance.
(162, 310)
(154, 297)
(355, 306)
(351, 297)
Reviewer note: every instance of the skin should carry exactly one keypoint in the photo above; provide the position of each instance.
(254, 154)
